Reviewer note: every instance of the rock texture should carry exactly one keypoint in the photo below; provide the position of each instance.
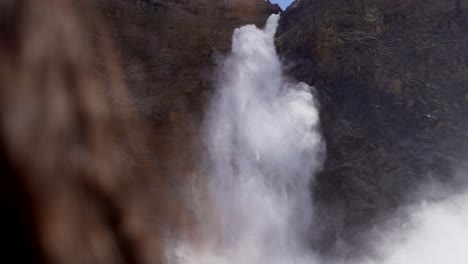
(392, 80)
(169, 50)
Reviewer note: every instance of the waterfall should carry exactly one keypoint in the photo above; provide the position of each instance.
(264, 146)
(263, 143)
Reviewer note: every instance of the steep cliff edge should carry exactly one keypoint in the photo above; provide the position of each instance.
(391, 77)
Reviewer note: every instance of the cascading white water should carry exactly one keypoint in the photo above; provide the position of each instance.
(264, 146)
(263, 143)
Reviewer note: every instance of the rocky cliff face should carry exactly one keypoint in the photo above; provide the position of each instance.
(168, 50)
(391, 77)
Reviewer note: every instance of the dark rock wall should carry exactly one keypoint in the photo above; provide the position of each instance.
(168, 50)
(392, 80)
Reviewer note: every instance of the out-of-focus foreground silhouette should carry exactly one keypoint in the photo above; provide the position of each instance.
(77, 181)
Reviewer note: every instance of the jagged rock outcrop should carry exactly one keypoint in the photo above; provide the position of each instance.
(391, 77)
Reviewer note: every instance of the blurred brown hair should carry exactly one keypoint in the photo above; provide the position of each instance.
(72, 151)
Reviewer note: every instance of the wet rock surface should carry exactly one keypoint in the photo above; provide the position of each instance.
(391, 78)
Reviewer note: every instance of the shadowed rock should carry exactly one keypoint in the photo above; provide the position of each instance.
(391, 76)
